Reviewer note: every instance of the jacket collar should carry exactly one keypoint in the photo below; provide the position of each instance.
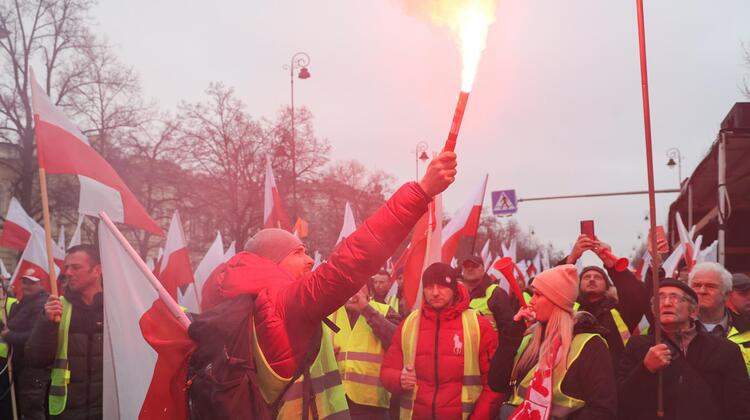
(460, 304)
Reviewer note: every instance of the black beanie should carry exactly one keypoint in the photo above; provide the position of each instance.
(442, 274)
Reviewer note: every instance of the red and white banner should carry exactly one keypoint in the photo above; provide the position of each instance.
(538, 402)
(17, 227)
(214, 257)
(349, 225)
(146, 347)
(63, 149)
(175, 270)
(464, 223)
(273, 211)
(34, 262)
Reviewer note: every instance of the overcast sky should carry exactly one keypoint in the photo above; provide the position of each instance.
(556, 105)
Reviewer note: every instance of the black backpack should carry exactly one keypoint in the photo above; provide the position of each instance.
(223, 382)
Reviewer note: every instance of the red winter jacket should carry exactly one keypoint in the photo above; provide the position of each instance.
(439, 369)
(287, 312)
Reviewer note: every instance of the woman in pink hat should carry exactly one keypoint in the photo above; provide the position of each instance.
(561, 367)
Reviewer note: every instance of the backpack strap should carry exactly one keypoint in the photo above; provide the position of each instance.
(302, 369)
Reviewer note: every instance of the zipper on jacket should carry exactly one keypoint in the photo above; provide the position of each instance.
(434, 396)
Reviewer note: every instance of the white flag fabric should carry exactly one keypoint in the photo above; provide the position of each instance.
(3, 271)
(670, 264)
(76, 239)
(485, 254)
(464, 223)
(231, 251)
(214, 257)
(18, 227)
(349, 226)
(61, 237)
(175, 270)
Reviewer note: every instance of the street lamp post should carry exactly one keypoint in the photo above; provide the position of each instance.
(299, 61)
(675, 158)
(420, 153)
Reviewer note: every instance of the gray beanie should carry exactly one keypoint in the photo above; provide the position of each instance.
(273, 244)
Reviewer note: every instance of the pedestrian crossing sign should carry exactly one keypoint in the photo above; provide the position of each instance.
(504, 202)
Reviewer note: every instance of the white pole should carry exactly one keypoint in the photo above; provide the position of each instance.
(722, 163)
(155, 283)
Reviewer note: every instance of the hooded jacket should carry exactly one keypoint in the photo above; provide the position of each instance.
(288, 312)
(439, 369)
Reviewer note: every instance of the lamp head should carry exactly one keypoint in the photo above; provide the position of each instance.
(304, 73)
(671, 163)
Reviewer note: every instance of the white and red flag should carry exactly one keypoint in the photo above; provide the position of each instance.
(349, 225)
(214, 257)
(34, 262)
(273, 211)
(464, 223)
(485, 254)
(424, 249)
(63, 149)
(686, 241)
(146, 345)
(175, 270)
(538, 402)
(17, 227)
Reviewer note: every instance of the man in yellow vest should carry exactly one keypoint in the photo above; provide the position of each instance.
(486, 296)
(366, 328)
(69, 338)
(30, 383)
(618, 308)
(440, 355)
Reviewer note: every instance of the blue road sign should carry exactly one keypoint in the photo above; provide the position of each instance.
(504, 202)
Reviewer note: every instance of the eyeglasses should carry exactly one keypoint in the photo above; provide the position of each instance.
(672, 297)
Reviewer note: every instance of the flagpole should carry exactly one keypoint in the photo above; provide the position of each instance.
(163, 294)
(47, 231)
(651, 199)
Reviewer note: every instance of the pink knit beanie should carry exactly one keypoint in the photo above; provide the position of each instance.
(559, 285)
(273, 244)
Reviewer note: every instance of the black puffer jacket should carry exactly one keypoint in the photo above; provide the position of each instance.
(84, 356)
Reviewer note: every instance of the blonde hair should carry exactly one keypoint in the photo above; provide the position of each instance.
(559, 324)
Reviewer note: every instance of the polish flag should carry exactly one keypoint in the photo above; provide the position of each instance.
(686, 241)
(214, 257)
(33, 262)
(230, 251)
(63, 149)
(76, 239)
(349, 226)
(425, 249)
(146, 345)
(670, 264)
(175, 270)
(17, 227)
(273, 212)
(485, 254)
(464, 223)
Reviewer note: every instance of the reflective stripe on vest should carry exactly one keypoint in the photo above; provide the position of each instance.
(481, 304)
(622, 327)
(562, 405)
(472, 383)
(330, 399)
(9, 302)
(360, 355)
(741, 339)
(58, 388)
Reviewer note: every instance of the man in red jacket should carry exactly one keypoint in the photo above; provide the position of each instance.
(443, 351)
(291, 301)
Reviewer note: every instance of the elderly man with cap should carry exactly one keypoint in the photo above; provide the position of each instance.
(31, 383)
(485, 295)
(439, 358)
(295, 366)
(582, 384)
(617, 299)
(703, 375)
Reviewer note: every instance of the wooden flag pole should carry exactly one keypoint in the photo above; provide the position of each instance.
(655, 263)
(48, 232)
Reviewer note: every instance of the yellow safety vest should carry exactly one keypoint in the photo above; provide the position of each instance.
(741, 339)
(622, 327)
(330, 399)
(481, 305)
(562, 405)
(360, 357)
(58, 389)
(472, 385)
(393, 302)
(9, 302)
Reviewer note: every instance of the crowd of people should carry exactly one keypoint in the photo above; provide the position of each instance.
(277, 339)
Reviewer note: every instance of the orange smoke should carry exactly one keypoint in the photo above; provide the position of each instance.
(469, 20)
